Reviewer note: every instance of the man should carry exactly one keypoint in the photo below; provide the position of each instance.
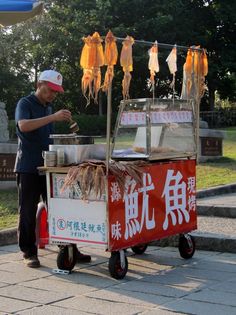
(34, 120)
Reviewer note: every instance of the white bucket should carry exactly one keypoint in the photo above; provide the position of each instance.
(60, 157)
(50, 158)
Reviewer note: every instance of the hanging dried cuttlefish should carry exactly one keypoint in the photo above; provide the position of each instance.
(86, 84)
(200, 71)
(96, 57)
(110, 58)
(204, 72)
(153, 64)
(194, 72)
(126, 62)
(92, 58)
(172, 64)
(204, 63)
(187, 75)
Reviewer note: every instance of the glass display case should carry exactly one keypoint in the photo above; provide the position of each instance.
(154, 129)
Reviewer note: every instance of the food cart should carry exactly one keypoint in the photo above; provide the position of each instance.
(141, 185)
(159, 138)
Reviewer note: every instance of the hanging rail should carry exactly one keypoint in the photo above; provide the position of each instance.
(162, 45)
(147, 43)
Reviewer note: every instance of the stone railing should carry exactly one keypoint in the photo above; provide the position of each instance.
(7, 150)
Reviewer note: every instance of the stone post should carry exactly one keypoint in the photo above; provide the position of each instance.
(7, 151)
(4, 133)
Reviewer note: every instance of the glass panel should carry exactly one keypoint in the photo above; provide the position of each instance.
(154, 128)
(125, 144)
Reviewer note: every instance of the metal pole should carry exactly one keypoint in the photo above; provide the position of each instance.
(148, 129)
(108, 128)
(108, 151)
(198, 99)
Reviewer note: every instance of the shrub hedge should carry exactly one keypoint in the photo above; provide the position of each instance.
(88, 125)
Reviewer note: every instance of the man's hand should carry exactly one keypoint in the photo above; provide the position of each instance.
(27, 125)
(62, 115)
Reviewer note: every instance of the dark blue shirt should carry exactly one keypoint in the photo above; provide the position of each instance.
(32, 143)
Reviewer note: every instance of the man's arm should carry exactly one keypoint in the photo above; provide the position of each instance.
(27, 125)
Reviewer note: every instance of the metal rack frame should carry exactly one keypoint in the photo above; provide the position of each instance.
(109, 96)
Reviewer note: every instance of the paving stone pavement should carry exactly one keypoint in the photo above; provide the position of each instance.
(218, 205)
(215, 225)
(157, 282)
(219, 200)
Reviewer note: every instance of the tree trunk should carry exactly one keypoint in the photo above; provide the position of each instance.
(211, 98)
(100, 104)
(35, 75)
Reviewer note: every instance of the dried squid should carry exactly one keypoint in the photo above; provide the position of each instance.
(153, 64)
(110, 56)
(204, 63)
(187, 75)
(195, 70)
(126, 61)
(92, 58)
(87, 78)
(90, 175)
(172, 64)
(96, 57)
(200, 71)
(204, 72)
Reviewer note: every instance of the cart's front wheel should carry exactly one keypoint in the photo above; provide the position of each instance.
(116, 269)
(186, 246)
(66, 258)
(139, 249)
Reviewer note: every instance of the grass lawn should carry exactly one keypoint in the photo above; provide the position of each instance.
(8, 208)
(209, 174)
(223, 170)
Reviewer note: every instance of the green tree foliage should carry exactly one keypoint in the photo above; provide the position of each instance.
(54, 40)
(221, 47)
(14, 81)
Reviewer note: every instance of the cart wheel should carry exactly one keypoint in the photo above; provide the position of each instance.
(139, 249)
(64, 262)
(115, 269)
(186, 246)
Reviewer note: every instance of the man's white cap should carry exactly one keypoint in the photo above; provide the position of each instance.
(53, 79)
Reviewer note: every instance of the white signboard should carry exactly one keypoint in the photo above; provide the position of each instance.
(133, 118)
(77, 221)
(139, 118)
(171, 117)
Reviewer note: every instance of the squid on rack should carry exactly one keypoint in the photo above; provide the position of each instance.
(200, 71)
(110, 59)
(96, 58)
(187, 75)
(92, 58)
(126, 61)
(86, 84)
(194, 72)
(204, 72)
(204, 63)
(153, 64)
(172, 64)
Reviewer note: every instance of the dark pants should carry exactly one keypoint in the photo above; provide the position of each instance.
(30, 188)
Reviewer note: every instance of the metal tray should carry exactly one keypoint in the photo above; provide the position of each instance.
(75, 154)
(71, 138)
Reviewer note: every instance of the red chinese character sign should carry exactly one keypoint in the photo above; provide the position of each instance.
(164, 205)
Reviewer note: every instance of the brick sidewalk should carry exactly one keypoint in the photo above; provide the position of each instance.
(158, 282)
